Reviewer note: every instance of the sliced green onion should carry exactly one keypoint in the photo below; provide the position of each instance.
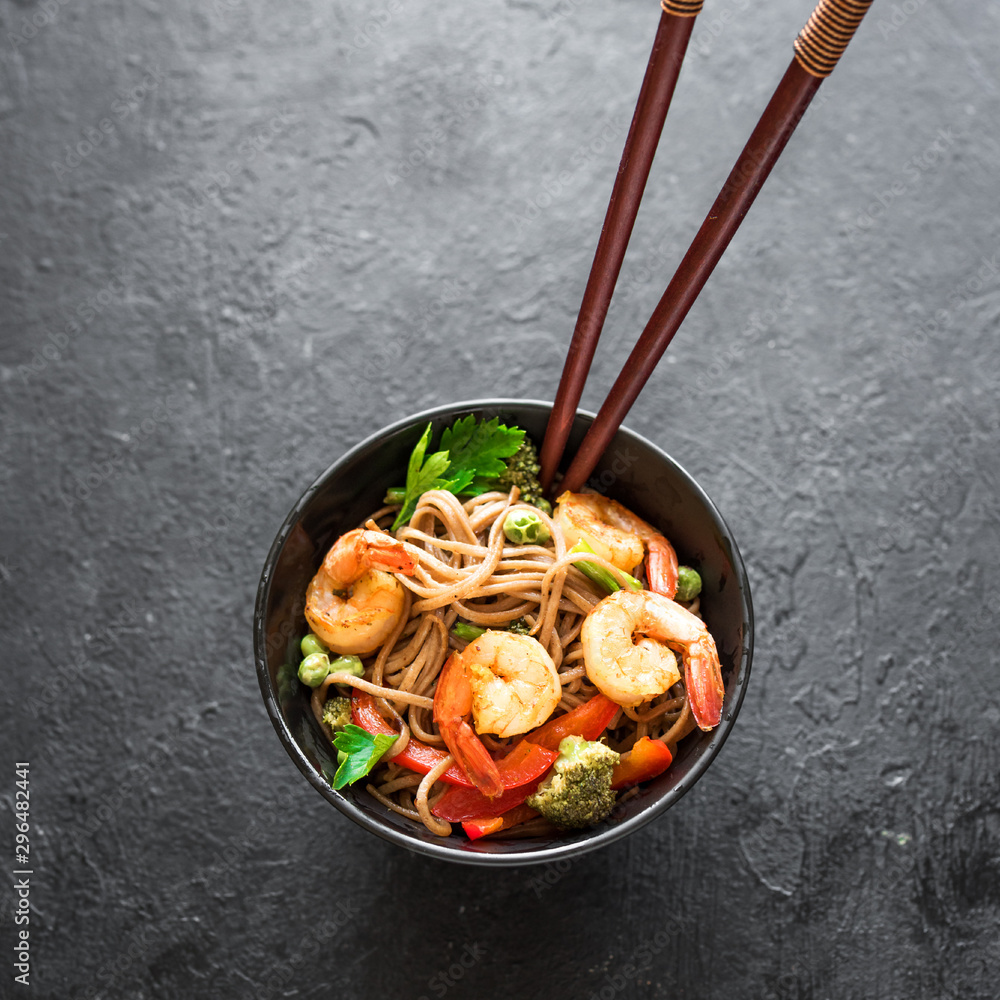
(463, 630)
(599, 574)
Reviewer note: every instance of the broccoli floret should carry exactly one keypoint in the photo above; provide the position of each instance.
(578, 792)
(337, 713)
(522, 471)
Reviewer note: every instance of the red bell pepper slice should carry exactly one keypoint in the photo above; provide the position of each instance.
(645, 760)
(588, 720)
(486, 825)
(417, 756)
(520, 772)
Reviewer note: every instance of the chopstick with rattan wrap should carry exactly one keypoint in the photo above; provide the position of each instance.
(817, 49)
(682, 8)
(669, 48)
(827, 33)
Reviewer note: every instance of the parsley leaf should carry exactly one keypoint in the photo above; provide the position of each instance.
(476, 452)
(363, 752)
(470, 461)
(421, 476)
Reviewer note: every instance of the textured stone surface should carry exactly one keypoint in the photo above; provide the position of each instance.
(300, 222)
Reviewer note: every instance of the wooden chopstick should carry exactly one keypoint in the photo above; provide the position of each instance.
(662, 70)
(819, 46)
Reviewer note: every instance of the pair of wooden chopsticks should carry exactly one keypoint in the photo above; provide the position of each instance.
(818, 48)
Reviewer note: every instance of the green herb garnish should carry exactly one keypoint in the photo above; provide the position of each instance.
(363, 752)
(421, 476)
(469, 462)
(477, 451)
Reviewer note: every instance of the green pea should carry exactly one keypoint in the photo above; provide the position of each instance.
(348, 665)
(688, 584)
(311, 644)
(524, 527)
(314, 668)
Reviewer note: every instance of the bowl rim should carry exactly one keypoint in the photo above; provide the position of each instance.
(453, 854)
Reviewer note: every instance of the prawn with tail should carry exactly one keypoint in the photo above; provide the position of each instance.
(618, 535)
(354, 602)
(507, 684)
(627, 641)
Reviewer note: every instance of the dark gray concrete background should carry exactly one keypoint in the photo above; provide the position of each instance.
(237, 236)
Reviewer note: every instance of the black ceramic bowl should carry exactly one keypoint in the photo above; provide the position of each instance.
(634, 472)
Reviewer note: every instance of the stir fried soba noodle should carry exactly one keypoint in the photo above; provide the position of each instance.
(491, 665)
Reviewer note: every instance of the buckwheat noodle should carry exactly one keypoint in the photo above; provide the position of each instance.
(467, 569)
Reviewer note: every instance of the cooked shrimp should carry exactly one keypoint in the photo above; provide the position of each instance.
(508, 684)
(352, 603)
(618, 535)
(631, 670)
